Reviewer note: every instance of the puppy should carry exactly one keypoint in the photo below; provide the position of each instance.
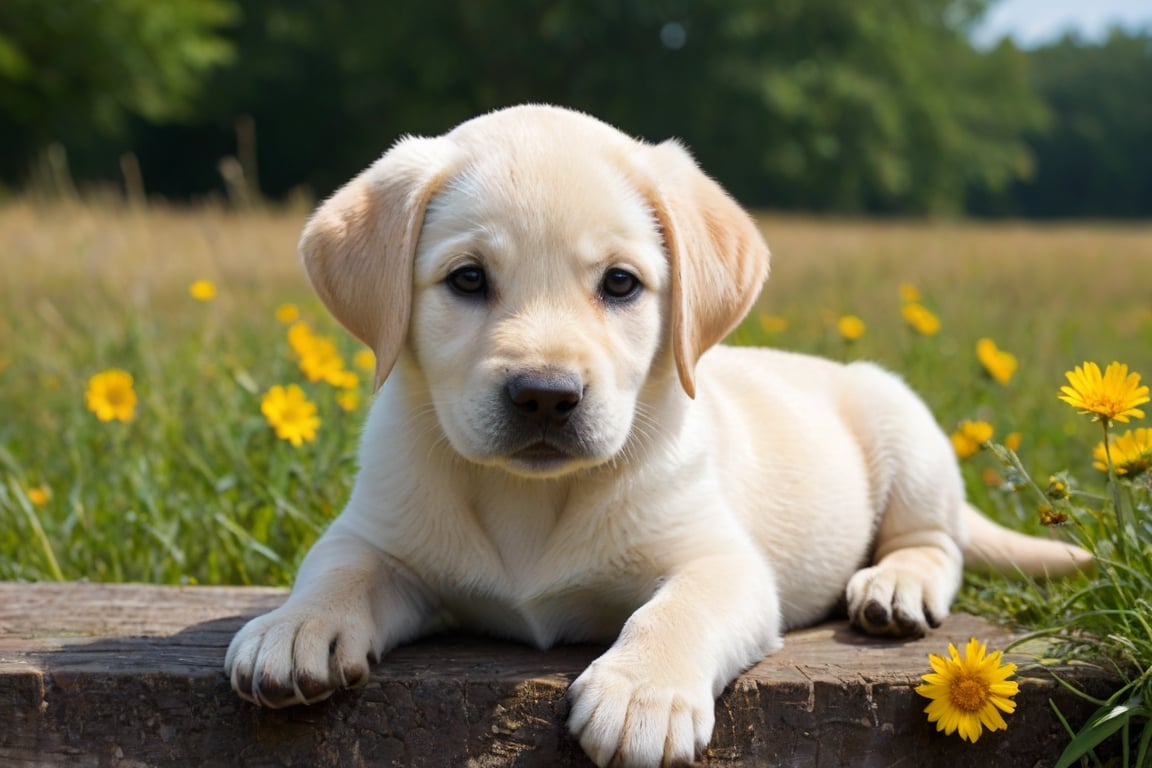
(559, 451)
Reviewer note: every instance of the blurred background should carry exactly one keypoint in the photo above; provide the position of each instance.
(894, 107)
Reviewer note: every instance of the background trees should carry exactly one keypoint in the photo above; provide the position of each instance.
(76, 70)
(869, 106)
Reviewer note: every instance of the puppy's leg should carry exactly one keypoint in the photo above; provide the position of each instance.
(650, 700)
(349, 606)
(919, 494)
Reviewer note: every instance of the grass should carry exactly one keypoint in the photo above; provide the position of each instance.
(197, 488)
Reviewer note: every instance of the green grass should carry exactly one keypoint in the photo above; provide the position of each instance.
(196, 488)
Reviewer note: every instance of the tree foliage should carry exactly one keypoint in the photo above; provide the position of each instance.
(77, 66)
(1094, 160)
(836, 105)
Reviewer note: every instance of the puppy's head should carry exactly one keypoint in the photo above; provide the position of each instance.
(544, 272)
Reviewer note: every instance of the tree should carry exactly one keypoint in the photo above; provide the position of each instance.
(846, 105)
(71, 68)
(1095, 159)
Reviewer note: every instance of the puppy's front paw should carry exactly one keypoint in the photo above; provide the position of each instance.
(636, 714)
(299, 656)
(895, 601)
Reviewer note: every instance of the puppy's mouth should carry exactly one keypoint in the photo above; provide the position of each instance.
(540, 456)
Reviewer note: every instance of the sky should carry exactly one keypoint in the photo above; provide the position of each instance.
(1036, 22)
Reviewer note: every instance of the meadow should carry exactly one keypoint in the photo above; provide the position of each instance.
(197, 487)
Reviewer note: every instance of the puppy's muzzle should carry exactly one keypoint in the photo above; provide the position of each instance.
(545, 398)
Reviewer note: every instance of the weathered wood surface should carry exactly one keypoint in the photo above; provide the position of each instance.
(127, 675)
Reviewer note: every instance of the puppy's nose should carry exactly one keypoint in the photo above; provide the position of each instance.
(545, 396)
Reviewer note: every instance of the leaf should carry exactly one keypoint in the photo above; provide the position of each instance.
(1105, 722)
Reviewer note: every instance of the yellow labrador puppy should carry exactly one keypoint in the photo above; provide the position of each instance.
(559, 450)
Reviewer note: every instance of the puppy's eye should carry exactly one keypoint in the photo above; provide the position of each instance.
(468, 281)
(619, 285)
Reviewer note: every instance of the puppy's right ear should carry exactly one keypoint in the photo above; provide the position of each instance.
(359, 245)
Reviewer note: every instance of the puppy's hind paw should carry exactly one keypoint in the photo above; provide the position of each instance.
(883, 601)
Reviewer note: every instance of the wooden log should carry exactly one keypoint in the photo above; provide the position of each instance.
(131, 676)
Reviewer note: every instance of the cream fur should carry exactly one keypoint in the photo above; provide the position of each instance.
(696, 503)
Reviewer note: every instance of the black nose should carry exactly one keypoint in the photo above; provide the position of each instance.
(545, 397)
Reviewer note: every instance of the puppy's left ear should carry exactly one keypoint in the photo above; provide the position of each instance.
(359, 245)
(719, 260)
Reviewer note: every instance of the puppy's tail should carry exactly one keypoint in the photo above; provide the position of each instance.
(994, 548)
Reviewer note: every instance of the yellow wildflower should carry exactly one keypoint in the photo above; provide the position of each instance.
(999, 364)
(922, 320)
(110, 395)
(851, 327)
(1057, 489)
(290, 414)
(39, 495)
(202, 290)
(365, 360)
(970, 437)
(1012, 441)
(909, 292)
(318, 357)
(348, 399)
(325, 364)
(343, 379)
(773, 324)
(1113, 395)
(287, 313)
(300, 337)
(1131, 453)
(968, 694)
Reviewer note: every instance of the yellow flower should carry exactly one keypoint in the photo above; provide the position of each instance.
(999, 364)
(39, 495)
(287, 313)
(323, 363)
(365, 360)
(909, 292)
(110, 396)
(343, 379)
(300, 337)
(970, 437)
(1012, 441)
(1131, 453)
(773, 323)
(969, 694)
(851, 327)
(921, 319)
(290, 413)
(202, 290)
(348, 399)
(1113, 395)
(1057, 489)
(318, 357)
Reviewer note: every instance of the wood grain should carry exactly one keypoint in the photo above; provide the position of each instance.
(131, 675)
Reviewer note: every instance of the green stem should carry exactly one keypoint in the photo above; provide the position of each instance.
(1019, 466)
(1114, 487)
